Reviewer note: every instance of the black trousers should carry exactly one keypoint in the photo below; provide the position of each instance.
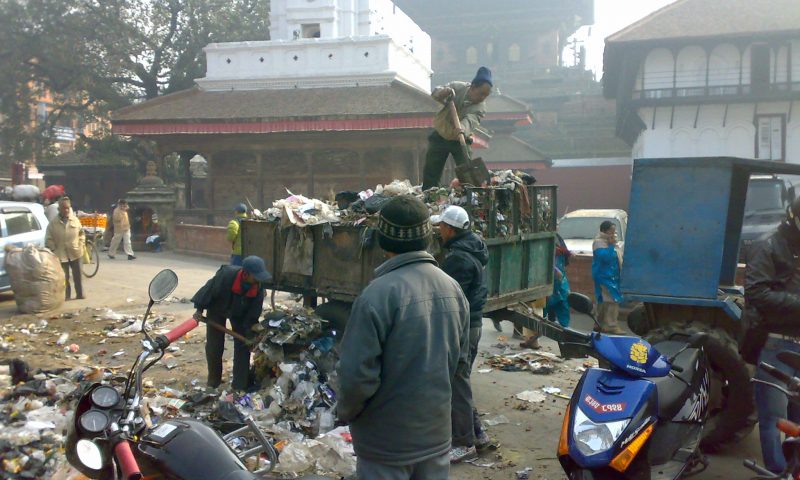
(75, 266)
(436, 158)
(464, 416)
(215, 346)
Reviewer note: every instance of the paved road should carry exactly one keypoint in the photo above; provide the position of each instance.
(528, 440)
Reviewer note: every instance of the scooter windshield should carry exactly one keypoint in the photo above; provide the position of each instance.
(632, 355)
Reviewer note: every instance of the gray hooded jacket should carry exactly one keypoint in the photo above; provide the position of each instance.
(407, 333)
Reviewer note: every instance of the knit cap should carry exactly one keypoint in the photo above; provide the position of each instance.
(404, 225)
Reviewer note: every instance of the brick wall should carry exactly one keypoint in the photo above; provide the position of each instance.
(202, 240)
(579, 273)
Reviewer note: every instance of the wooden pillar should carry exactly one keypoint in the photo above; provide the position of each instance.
(260, 176)
(311, 178)
(185, 158)
(211, 179)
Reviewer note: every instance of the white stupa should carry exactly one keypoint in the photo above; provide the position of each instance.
(325, 43)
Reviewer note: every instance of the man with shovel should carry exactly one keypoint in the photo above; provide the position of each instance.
(233, 293)
(451, 135)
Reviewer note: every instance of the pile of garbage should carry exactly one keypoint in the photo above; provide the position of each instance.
(33, 417)
(293, 402)
(501, 208)
(540, 363)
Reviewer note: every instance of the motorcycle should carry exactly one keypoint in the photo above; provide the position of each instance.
(791, 445)
(641, 417)
(109, 438)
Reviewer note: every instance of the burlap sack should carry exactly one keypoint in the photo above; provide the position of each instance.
(37, 279)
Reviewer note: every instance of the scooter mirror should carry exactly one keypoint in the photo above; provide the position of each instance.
(162, 285)
(580, 303)
(791, 359)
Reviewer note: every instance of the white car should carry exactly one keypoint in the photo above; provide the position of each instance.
(21, 223)
(580, 227)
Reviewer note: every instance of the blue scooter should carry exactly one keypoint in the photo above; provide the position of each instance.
(639, 416)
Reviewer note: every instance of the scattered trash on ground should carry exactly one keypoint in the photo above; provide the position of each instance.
(498, 420)
(531, 396)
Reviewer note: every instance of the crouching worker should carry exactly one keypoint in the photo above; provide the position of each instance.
(234, 293)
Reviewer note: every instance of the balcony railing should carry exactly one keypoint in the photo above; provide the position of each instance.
(714, 91)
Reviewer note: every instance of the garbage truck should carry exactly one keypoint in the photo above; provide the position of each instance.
(330, 264)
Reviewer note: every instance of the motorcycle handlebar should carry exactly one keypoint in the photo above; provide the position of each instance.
(181, 330)
(127, 462)
(783, 377)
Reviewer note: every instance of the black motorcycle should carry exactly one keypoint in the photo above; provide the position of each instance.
(791, 445)
(109, 437)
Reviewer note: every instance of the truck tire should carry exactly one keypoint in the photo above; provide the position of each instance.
(731, 407)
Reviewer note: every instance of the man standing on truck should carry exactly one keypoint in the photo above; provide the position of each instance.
(407, 336)
(467, 256)
(444, 140)
(606, 266)
(235, 233)
(772, 296)
(234, 293)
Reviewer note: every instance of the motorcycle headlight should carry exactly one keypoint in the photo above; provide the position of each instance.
(89, 454)
(593, 438)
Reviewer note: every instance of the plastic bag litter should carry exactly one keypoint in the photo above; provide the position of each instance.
(327, 454)
(532, 396)
(36, 278)
(498, 420)
(397, 187)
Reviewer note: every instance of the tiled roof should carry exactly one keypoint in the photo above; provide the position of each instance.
(197, 105)
(713, 18)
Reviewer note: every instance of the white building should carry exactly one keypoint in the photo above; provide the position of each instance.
(325, 43)
(709, 78)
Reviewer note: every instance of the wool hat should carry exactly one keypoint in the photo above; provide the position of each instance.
(241, 208)
(404, 225)
(484, 75)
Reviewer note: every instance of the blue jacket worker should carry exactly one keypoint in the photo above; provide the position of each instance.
(606, 265)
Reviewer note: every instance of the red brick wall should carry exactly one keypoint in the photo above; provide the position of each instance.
(579, 273)
(202, 240)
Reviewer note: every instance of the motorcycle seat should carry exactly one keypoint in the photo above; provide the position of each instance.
(673, 389)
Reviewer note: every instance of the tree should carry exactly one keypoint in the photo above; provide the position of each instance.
(94, 56)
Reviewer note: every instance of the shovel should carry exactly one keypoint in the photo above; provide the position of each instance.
(247, 341)
(474, 171)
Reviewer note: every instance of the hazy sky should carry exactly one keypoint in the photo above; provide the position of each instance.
(610, 16)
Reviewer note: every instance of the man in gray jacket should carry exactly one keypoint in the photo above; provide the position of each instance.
(407, 335)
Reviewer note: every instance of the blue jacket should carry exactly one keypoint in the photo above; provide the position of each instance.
(605, 272)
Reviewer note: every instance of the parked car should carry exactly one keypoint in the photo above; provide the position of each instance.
(579, 228)
(765, 208)
(21, 223)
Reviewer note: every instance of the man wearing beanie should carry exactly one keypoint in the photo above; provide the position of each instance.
(443, 141)
(407, 335)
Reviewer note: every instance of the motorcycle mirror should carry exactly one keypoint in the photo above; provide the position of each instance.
(791, 359)
(580, 303)
(162, 285)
